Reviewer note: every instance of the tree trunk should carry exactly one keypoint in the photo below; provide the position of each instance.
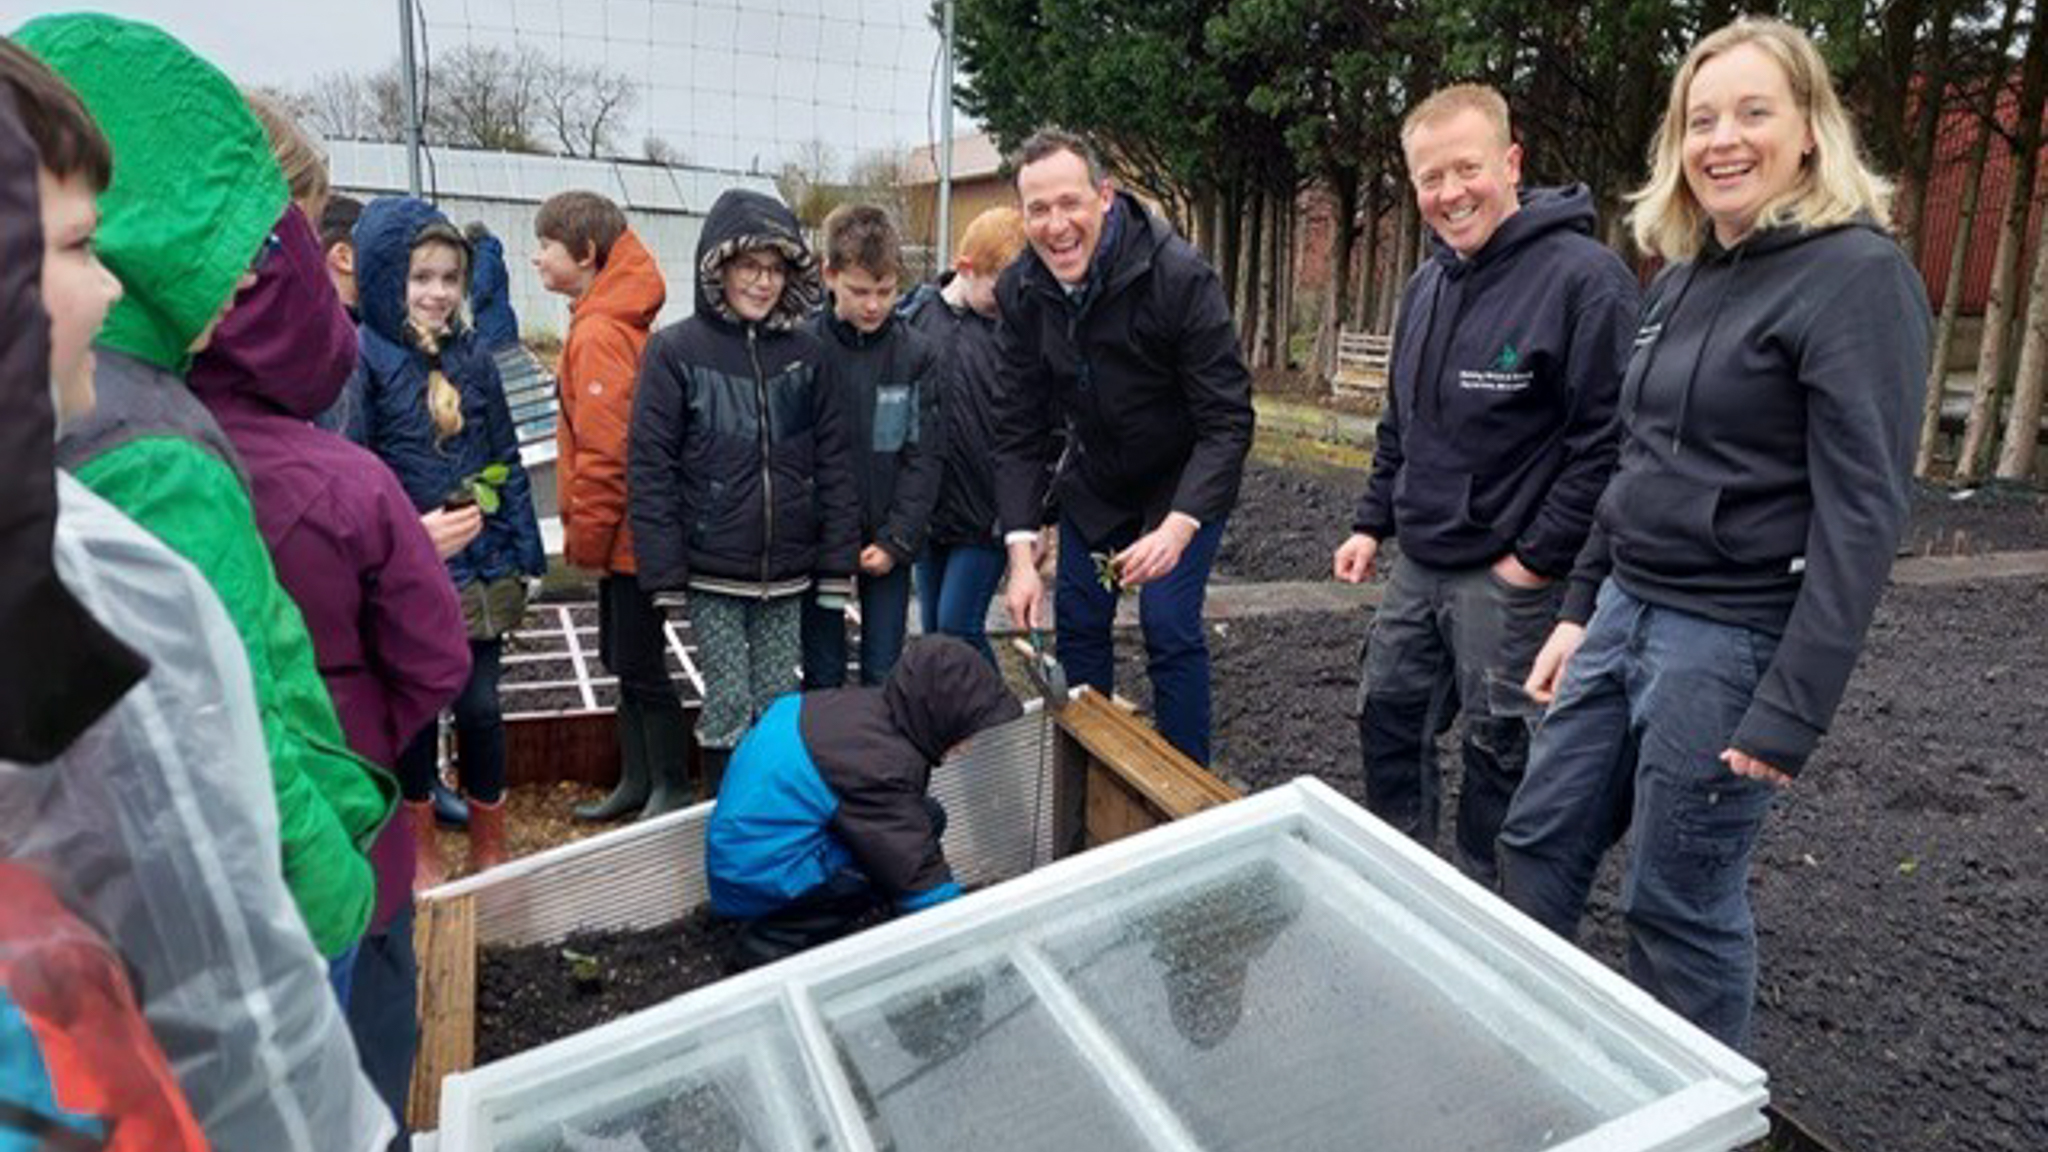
(1405, 218)
(2012, 234)
(1363, 308)
(2023, 416)
(1337, 298)
(1959, 254)
(1254, 251)
(1231, 217)
(1283, 283)
(1276, 282)
(1909, 215)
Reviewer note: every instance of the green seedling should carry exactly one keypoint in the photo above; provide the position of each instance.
(1105, 572)
(479, 488)
(584, 968)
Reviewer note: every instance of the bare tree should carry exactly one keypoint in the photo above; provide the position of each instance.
(583, 105)
(483, 96)
(808, 181)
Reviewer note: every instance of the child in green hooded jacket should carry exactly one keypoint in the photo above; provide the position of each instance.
(188, 214)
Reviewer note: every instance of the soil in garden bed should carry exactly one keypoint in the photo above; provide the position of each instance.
(1901, 887)
(530, 995)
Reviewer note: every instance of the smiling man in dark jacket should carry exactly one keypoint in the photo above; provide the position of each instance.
(1116, 326)
(1497, 437)
(824, 816)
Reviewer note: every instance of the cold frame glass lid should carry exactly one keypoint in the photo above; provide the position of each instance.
(1282, 974)
(736, 1085)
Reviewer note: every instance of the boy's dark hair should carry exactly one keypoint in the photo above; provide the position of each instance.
(338, 222)
(1047, 141)
(68, 141)
(581, 222)
(862, 236)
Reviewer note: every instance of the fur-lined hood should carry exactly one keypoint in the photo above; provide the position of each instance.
(741, 221)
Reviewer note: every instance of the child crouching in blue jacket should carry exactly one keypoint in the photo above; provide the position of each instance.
(823, 816)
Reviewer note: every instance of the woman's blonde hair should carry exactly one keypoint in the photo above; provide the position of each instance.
(305, 166)
(1834, 184)
(444, 401)
(991, 241)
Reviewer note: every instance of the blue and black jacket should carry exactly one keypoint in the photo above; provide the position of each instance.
(835, 780)
(387, 399)
(888, 381)
(739, 468)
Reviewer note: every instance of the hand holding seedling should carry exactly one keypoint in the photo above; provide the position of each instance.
(1154, 555)
(480, 488)
(451, 529)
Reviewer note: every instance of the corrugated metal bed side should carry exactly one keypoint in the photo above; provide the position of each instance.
(998, 799)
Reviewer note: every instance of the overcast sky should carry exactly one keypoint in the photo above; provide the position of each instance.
(733, 83)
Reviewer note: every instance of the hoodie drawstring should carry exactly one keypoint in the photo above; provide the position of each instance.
(1706, 339)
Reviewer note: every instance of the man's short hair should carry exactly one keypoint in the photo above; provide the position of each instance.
(1047, 141)
(68, 141)
(1447, 102)
(338, 222)
(862, 236)
(582, 222)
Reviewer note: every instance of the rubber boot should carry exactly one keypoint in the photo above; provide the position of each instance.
(669, 768)
(449, 807)
(631, 794)
(486, 834)
(429, 871)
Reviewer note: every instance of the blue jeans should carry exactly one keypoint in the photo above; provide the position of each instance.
(1632, 746)
(884, 617)
(1170, 612)
(954, 586)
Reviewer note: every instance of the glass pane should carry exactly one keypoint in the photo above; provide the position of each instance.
(736, 1085)
(1271, 1014)
(971, 1059)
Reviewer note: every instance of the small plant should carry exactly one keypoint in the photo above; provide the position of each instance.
(1106, 573)
(479, 488)
(584, 969)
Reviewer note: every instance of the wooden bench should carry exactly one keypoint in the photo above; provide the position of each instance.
(1362, 359)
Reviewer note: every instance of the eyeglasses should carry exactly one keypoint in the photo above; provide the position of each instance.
(753, 271)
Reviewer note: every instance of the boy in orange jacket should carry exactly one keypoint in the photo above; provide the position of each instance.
(588, 254)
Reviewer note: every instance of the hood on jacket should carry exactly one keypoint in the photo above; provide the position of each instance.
(385, 235)
(1542, 211)
(62, 669)
(629, 288)
(195, 187)
(741, 221)
(941, 692)
(288, 344)
(490, 289)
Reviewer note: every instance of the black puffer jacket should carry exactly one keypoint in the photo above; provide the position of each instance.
(888, 381)
(875, 749)
(969, 365)
(1146, 372)
(739, 467)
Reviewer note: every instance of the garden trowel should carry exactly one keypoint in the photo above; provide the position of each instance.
(1046, 674)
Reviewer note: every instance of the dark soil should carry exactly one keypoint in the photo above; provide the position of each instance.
(527, 996)
(1901, 889)
(1289, 520)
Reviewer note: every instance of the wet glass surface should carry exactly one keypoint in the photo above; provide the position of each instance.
(973, 1060)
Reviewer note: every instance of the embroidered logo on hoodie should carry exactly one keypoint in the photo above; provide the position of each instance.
(1502, 374)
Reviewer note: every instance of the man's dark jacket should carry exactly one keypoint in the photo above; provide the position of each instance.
(1143, 364)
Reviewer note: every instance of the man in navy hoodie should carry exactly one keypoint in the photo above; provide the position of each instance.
(1497, 438)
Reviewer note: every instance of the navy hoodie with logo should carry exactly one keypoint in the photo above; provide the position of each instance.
(1771, 409)
(1499, 428)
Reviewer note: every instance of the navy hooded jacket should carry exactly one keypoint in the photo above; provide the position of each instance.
(387, 407)
(490, 294)
(1499, 427)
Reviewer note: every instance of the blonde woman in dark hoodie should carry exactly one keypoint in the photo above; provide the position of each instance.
(1739, 551)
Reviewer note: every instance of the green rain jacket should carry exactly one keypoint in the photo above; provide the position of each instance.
(195, 194)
